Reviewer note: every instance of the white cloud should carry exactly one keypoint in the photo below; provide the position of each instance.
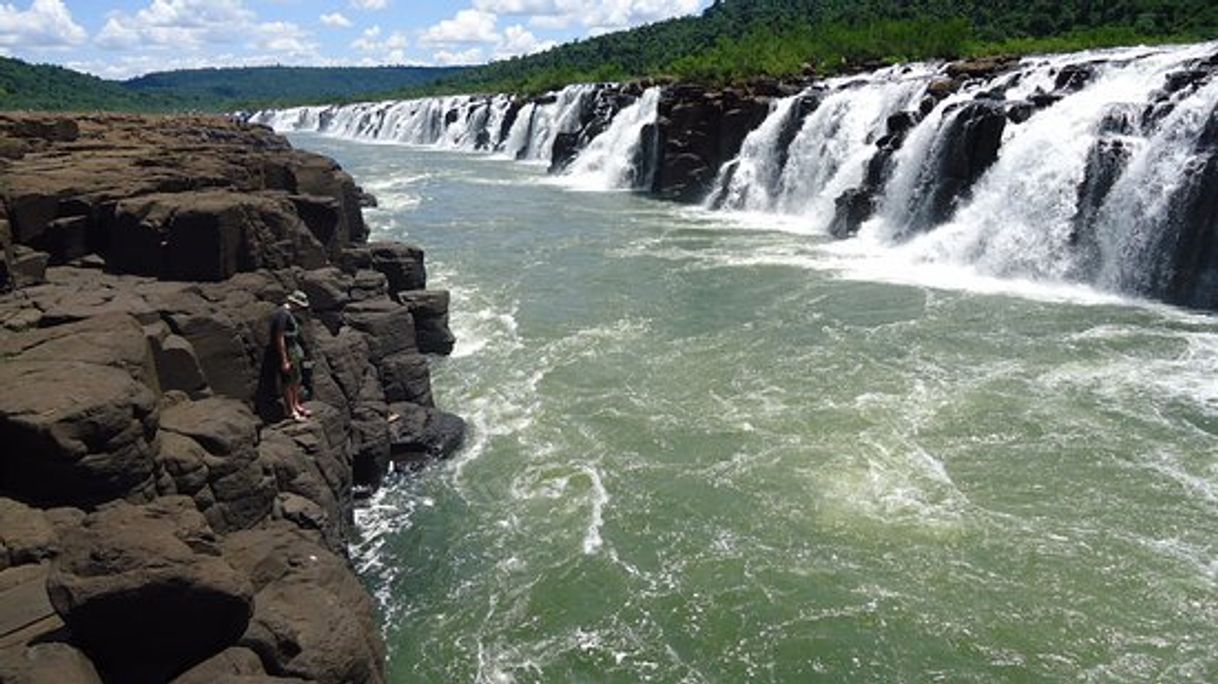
(517, 40)
(599, 15)
(199, 25)
(467, 27)
(390, 50)
(465, 57)
(369, 5)
(46, 24)
(336, 20)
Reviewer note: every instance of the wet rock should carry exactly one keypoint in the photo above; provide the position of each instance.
(1073, 78)
(982, 67)
(1106, 161)
(421, 434)
(698, 133)
(1019, 112)
(1120, 119)
(853, 207)
(1189, 78)
(145, 590)
(970, 140)
(940, 88)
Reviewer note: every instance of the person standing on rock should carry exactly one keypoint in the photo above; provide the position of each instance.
(285, 336)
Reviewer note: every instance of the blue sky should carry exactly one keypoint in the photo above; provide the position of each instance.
(124, 38)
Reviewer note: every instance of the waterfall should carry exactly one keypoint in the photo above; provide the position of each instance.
(1087, 189)
(1098, 167)
(612, 160)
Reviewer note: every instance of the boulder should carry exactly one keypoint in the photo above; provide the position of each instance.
(313, 476)
(239, 492)
(26, 535)
(28, 266)
(46, 663)
(75, 433)
(312, 618)
(429, 308)
(401, 264)
(146, 592)
(177, 365)
(853, 207)
(230, 662)
(421, 434)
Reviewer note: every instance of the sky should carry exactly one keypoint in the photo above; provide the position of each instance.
(123, 38)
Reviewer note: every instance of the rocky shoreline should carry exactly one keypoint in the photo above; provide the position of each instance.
(159, 521)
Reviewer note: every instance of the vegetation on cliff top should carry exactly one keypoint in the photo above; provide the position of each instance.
(740, 39)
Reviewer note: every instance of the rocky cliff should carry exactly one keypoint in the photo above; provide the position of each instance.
(158, 520)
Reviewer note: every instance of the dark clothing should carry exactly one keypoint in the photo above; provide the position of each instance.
(284, 323)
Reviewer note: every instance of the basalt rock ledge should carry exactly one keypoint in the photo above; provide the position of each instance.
(159, 520)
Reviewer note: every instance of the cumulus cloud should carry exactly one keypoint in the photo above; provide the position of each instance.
(596, 15)
(196, 25)
(517, 40)
(369, 5)
(467, 27)
(462, 58)
(389, 49)
(336, 20)
(46, 24)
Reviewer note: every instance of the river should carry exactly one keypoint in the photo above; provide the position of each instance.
(714, 447)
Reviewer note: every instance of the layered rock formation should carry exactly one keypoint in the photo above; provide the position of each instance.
(158, 520)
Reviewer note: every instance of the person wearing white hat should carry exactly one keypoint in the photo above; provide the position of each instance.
(285, 336)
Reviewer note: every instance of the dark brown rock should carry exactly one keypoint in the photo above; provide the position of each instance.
(145, 590)
(228, 663)
(312, 618)
(26, 535)
(46, 663)
(74, 433)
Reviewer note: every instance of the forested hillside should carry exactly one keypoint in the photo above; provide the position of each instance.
(42, 86)
(736, 39)
(47, 87)
(285, 85)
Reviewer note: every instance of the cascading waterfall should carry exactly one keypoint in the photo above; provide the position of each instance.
(1027, 217)
(458, 122)
(1092, 167)
(828, 153)
(612, 161)
(1088, 167)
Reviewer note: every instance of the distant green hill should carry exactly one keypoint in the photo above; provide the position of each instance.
(42, 86)
(47, 87)
(285, 85)
(738, 39)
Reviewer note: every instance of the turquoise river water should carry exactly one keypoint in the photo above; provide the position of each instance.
(714, 448)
